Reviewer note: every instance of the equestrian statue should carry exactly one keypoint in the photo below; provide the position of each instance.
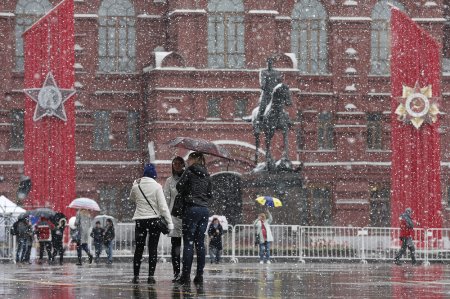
(270, 116)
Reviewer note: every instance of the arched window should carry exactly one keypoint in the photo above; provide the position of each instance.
(27, 12)
(116, 36)
(309, 36)
(226, 34)
(380, 37)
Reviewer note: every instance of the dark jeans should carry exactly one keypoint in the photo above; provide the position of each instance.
(175, 254)
(58, 248)
(144, 226)
(108, 249)
(48, 247)
(407, 243)
(214, 254)
(195, 221)
(98, 250)
(28, 252)
(21, 249)
(80, 247)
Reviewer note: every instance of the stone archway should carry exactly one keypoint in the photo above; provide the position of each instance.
(227, 196)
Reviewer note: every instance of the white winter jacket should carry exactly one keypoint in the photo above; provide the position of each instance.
(155, 195)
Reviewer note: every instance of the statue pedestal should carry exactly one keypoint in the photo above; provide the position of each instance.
(286, 186)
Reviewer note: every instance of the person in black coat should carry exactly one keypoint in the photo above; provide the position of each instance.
(97, 234)
(57, 240)
(215, 233)
(195, 188)
(108, 237)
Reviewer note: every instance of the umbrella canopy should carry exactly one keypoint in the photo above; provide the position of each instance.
(222, 220)
(102, 219)
(269, 201)
(200, 145)
(84, 203)
(35, 214)
(40, 212)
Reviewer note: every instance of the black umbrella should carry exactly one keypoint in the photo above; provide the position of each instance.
(200, 145)
(37, 213)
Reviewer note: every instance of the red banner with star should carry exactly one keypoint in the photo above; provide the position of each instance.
(49, 152)
(415, 140)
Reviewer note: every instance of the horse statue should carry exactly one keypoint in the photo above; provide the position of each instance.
(270, 116)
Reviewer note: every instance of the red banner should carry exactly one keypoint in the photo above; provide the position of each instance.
(415, 143)
(49, 153)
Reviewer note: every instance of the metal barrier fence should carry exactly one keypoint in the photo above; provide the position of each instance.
(299, 243)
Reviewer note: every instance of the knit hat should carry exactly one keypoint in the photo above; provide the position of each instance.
(150, 171)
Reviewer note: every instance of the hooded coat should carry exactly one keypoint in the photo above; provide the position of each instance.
(406, 225)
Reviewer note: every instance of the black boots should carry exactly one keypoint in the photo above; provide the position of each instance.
(183, 279)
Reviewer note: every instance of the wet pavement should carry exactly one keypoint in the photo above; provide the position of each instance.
(242, 280)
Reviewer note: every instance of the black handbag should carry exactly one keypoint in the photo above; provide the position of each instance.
(161, 223)
(178, 206)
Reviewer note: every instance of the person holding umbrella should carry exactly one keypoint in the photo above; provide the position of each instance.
(170, 191)
(83, 224)
(264, 234)
(195, 188)
(43, 232)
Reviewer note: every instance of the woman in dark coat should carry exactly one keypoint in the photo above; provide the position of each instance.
(215, 233)
(195, 187)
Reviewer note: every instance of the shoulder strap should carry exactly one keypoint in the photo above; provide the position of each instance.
(147, 199)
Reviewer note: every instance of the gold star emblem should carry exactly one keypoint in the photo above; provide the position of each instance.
(417, 106)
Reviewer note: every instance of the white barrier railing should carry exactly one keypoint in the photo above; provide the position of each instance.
(290, 242)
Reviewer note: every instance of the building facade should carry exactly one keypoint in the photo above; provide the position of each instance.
(151, 70)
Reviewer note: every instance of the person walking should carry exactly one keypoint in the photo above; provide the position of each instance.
(215, 233)
(170, 192)
(108, 238)
(406, 236)
(97, 234)
(195, 188)
(150, 205)
(83, 225)
(44, 236)
(264, 234)
(57, 240)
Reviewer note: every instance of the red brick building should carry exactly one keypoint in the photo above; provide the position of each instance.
(151, 70)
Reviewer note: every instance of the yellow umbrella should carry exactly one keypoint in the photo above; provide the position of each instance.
(269, 201)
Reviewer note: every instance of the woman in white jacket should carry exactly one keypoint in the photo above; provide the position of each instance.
(264, 233)
(148, 209)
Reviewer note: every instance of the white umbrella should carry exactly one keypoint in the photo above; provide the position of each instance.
(222, 220)
(102, 219)
(84, 203)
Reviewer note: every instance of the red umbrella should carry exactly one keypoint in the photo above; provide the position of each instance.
(200, 145)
